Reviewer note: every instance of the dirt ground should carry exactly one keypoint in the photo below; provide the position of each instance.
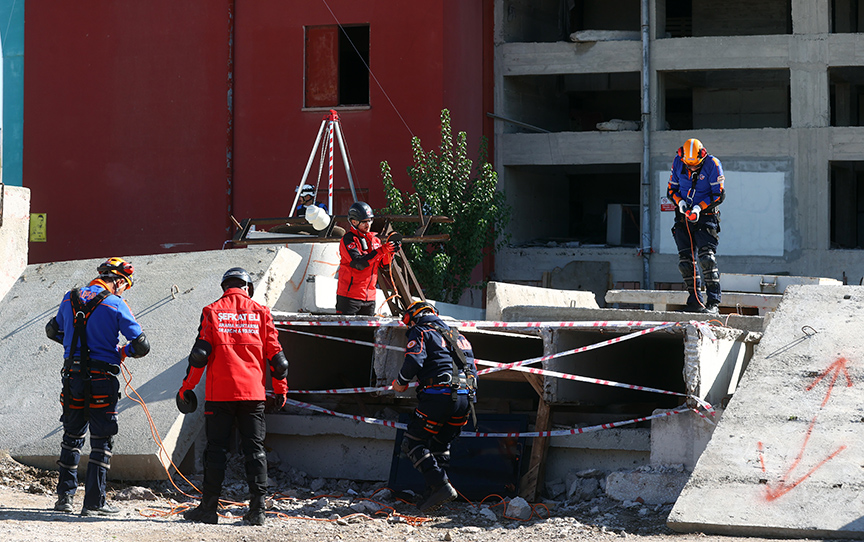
(338, 511)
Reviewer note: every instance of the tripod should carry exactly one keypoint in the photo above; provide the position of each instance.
(333, 125)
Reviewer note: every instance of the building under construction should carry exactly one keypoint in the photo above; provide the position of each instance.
(773, 92)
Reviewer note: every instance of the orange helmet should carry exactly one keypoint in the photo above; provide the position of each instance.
(692, 153)
(415, 309)
(119, 267)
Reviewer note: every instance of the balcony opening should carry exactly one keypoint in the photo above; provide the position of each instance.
(847, 96)
(727, 99)
(847, 16)
(704, 18)
(847, 205)
(587, 205)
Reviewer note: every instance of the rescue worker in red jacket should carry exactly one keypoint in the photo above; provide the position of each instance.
(236, 341)
(696, 188)
(442, 360)
(361, 253)
(87, 324)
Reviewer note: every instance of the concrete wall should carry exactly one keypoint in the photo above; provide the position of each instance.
(14, 234)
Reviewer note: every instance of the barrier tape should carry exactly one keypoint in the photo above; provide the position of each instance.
(383, 322)
(533, 434)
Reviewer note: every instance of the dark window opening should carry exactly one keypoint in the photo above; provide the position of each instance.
(703, 18)
(847, 96)
(847, 205)
(336, 61)
(727, 99)
(604, 206)
(846, 16)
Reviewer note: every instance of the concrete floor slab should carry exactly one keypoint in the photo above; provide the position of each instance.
(167, 298)
(786, 457)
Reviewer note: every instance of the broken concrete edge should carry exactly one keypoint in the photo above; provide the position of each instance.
(762, 531)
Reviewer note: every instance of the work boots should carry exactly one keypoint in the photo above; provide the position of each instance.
(256, 514)
(204, 512)
(439, 496)
(63, 504)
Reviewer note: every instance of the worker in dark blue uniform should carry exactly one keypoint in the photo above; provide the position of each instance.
(88, 324)
(443, 362)
(696, 188)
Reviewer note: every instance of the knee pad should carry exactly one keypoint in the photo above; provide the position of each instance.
(708, 261)
(685, 265)
(216, 458)
(100, 451)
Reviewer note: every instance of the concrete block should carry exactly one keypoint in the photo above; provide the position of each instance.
(680, 439)
(319, 296)
(169, 293)
(500, 295)
(14, 234)
(646, 486)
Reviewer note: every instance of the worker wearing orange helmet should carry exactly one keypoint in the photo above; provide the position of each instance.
(696, 188)
(88, 323)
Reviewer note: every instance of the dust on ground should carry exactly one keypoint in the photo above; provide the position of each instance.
(337, 511)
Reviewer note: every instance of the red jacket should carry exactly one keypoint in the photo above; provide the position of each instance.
(242, 337)
(360, 256)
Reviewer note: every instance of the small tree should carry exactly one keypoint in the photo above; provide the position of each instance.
(445, 184)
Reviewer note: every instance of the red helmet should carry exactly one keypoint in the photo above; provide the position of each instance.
(119, 267)
(415, 309)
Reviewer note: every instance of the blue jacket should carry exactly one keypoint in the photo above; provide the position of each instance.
(427, 355)
(301, 209)
(108, 320)
(703, 188)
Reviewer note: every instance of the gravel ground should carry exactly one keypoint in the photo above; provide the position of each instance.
(338, 510)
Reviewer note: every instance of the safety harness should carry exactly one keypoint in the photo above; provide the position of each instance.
(461, 379)
(82, 364)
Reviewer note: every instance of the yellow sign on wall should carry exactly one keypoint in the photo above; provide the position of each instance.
(38, 228)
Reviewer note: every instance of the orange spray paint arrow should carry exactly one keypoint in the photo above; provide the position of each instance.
(775, 491)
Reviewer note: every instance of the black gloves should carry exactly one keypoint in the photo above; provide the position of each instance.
(187, 401)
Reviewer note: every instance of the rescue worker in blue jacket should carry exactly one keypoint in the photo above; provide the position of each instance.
(443, 362)
(88, 324)
(696, 188)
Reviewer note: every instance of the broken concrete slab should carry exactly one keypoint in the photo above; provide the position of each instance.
(500, 295)
(169, 293)
(647, 485)
(785, 459)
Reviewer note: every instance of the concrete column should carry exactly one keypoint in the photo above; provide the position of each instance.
(811, 16)
(14, 234)
(808, 78)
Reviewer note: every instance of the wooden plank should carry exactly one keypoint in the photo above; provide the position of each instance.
(531, 482)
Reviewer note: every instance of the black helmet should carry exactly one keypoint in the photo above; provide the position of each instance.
(306, 190)
(240, 274)
(416, 309)
(360, 210)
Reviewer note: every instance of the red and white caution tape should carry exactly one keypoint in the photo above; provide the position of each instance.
(480, 324)
(557, 433)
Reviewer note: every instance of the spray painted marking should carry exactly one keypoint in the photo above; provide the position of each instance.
(774, 491)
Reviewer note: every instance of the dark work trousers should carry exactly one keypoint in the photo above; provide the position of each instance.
(347, 305)
(219, 424)
(101, 419)
(437, 420)
(698, 242)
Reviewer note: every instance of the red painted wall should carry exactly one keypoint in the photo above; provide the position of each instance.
(126, 121)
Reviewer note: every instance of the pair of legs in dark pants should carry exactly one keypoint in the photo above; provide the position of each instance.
(699, 241)
(219, 424)
(101, 420)
(347, 305)
(437, 420)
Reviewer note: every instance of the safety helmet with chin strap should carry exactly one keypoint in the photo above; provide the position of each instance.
(415, 310)
(359, 211)
(118, 267)
(306, 190)
(240, 274)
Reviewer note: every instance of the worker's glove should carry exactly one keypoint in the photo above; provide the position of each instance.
(693, 215)
(187, 401)
(387, 248)
(121, 350)
(682, 206)
(399, 387)
(273, 402)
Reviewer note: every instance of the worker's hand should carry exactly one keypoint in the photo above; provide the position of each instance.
(682, 206)
(387, 248)
(273, 402)
(399, 387)
(187, 401)
(693, 215)
(122, 351)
